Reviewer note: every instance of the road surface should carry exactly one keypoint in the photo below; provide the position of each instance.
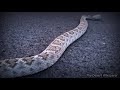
(95, 55)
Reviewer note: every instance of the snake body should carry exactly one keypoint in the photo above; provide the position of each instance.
(18, 67)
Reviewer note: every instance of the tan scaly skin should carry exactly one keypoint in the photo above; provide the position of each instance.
(10, 68)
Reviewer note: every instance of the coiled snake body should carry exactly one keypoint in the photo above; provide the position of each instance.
(17, 67)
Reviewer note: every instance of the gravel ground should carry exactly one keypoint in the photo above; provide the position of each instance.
(95, 54)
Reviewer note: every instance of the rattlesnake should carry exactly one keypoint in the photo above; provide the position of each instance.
(18, 67)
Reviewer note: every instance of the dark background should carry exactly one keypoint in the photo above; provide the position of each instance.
(96, 53)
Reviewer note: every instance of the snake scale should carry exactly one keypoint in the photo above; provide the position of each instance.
(17, 67)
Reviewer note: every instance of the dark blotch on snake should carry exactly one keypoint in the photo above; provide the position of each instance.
(28, 60)
(11, 62)
(31, 69)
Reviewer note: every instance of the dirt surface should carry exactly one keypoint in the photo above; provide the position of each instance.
(95, 54)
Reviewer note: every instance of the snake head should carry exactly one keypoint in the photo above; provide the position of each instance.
(97, 17)
(94, 17)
